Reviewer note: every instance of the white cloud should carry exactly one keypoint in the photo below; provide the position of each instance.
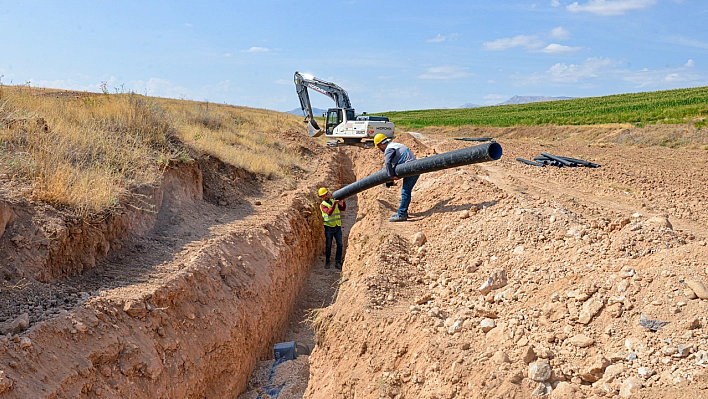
(440, 38)
(256, 50)
(687, 42)
(555, 3)
(283, 82)
(437, 39)
(445, 73)
(528, 42)
(593, 70)
(690, 64)
(227, 54)
(554, 48)
(610, 7)
(188, 25)
(559, 33)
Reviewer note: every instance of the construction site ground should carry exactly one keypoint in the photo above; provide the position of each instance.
(508, 280)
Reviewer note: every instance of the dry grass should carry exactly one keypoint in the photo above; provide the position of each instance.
(85, 151)
(244, 137)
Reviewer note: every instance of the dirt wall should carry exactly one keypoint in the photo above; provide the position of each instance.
(192, 326)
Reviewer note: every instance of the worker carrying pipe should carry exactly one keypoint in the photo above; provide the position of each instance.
(465, 156)
(394, 155)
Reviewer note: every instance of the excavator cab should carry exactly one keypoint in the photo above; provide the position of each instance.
(334, 118)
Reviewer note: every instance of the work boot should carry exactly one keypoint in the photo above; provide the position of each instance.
(338, 265)
(327, 265)
(398, 218)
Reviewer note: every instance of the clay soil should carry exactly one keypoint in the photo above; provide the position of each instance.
(508, 281)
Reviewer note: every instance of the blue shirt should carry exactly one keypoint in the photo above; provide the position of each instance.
(395, 154)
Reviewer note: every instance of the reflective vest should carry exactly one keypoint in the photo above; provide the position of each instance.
(332, 220)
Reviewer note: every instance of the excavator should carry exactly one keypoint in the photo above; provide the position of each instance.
(341, 122)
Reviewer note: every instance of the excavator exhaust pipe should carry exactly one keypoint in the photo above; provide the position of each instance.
(465, 156)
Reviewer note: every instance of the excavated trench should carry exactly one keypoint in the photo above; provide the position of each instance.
(178, 297)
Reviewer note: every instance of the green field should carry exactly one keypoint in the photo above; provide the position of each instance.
(669, 106)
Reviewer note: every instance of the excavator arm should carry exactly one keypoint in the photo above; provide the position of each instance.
(331, 90)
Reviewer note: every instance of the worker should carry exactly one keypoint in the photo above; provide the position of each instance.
(332, 225)
(396, 154)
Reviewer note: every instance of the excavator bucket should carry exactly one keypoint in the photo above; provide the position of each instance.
(313, 129)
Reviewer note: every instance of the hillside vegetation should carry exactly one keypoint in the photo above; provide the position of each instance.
(669, 106)
(86, 151)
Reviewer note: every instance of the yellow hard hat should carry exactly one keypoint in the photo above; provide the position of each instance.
(379, 138)
(322, 191)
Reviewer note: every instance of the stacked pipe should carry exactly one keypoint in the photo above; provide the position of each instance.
(557, 160)
(465, 156)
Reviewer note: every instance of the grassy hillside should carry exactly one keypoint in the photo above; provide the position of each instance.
(670, 106)
(85, 151)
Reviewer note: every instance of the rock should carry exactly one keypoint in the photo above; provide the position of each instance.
(25, 342)
(554, 311)
(487, 325)
(689, 293)
(654, 325)
(590, 309)
(702, 358)
(543, 388)
(539, 371)
(563, 390)
(698, 288)
(613, 371)
(455, 327)
(645, 372)
(528, 355)
(16, 326)
(630, 387)
(424, 299)
(135, 309)
(5, 382)
(581, 341)
(497, 280)
(595, 370)
(500, 358)
(660, 222)
(419, 239)
(498, 333)
(464, 214)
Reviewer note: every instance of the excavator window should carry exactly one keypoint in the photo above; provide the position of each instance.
(334, 118)
(350, 115)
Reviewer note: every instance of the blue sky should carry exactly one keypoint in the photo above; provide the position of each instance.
(388, 55)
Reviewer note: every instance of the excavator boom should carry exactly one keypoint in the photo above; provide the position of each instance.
(331, 90)
(342, 123)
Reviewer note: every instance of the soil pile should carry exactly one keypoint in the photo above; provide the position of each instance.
(512, 280)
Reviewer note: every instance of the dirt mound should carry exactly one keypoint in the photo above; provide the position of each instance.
(570, 282)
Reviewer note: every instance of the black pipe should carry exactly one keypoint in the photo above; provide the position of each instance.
(465, 156)
(559, 159)
(582, 162)
(526, 161)
(474, 138)
(569, 159)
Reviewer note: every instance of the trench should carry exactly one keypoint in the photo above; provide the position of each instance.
(187, 309)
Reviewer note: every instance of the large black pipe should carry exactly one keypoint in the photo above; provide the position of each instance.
(465, 156)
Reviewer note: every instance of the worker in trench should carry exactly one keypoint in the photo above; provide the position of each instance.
(331, 209)
(396, 154)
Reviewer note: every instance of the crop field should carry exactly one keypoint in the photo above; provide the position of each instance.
(669, 106)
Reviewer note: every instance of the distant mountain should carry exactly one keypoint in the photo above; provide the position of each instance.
(532, 99)
(315, 112)
(469, 105)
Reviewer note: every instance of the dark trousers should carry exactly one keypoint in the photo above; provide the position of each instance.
(406, 191)
(336, 233)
